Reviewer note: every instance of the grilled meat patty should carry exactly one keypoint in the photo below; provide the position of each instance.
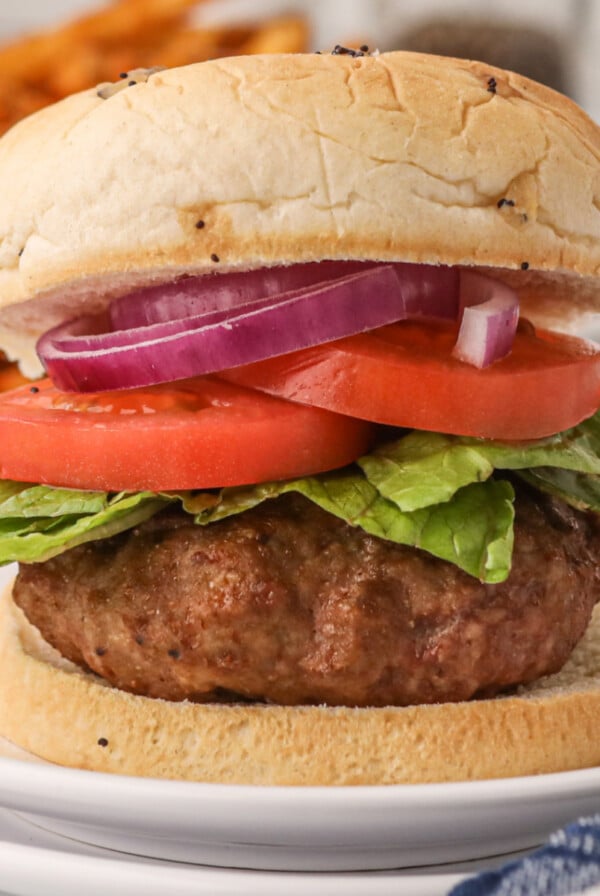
(288, 604)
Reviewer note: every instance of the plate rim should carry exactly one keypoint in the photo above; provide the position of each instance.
(505, 790)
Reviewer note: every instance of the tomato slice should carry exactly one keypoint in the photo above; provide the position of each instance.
(405, 375)
(201, 433)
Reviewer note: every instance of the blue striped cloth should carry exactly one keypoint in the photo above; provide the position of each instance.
(568, 863)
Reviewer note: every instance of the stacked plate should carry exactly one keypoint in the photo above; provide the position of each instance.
(62, 827)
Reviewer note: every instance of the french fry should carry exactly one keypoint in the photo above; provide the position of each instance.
(285, 35)
(10, 375)
(42, 68)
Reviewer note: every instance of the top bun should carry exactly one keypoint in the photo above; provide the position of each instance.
(398, 156)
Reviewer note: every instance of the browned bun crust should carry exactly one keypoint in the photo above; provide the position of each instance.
(399, 156)
(59, 713)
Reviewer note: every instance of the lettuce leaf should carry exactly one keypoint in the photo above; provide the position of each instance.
(427, 468)
(473, 530)
(580, 490)
(443, 494)
(39, 522)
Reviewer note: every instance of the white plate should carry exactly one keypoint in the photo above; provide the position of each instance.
(302, 828)
(307, 829)
(34, 861)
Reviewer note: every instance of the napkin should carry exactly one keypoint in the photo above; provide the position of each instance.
(568, 863)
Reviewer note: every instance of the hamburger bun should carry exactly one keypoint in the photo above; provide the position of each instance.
(399, 156)
(237, 164)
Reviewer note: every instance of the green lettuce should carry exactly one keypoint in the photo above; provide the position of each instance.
(443, 494)
(577, 489)
(426, 468)
(38, 522)
(474, 530)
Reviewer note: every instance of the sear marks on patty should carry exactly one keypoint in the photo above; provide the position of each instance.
(288, 604)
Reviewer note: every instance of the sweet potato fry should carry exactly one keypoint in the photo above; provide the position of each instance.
(126, 34)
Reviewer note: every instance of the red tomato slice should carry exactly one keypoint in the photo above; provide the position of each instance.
(405, 375)
(201, 433)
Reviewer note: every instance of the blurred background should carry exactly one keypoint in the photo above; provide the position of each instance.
(48, 49)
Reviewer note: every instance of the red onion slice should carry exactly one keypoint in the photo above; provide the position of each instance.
(429, 290)
(490, 314)
(201, 325)
(190, 296)
(212, 342)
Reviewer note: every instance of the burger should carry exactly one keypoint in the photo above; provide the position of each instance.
(304, 486)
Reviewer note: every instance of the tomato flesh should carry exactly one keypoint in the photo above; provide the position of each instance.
(200, 433)
(405, 375)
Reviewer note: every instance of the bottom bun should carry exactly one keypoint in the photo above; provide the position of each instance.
(56, 711)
